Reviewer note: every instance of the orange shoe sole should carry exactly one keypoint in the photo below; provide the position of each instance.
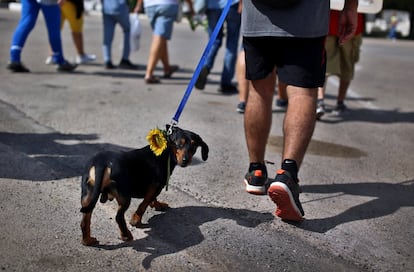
(286, 206)
(255, 190)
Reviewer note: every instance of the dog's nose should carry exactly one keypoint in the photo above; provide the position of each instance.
(184, 161)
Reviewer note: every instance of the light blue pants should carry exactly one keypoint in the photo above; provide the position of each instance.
(109, 23)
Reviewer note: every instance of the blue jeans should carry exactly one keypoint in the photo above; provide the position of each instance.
(109, 23)
(233, 21)
(29, 14)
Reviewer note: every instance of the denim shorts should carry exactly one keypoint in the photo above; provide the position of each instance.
(300, 62)
(162, 18)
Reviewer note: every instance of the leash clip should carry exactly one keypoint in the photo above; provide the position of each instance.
(172, 125)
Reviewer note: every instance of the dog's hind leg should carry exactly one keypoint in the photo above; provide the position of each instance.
(123, 205)
(87, 240)
(148, 198)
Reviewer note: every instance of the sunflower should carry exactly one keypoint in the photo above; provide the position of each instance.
(157, 141)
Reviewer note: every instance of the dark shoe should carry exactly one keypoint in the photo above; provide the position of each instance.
(202, 78)
(126, 64)
(284, 192)
(340, 109)
(17, 67)
(228, 89)
(109, 65)
(152, 80)
(241, 107)
(66, 67)
(255, 182)
(173, 69)
(281, 103)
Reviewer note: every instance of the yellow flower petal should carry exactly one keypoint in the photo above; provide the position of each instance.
(157, 141)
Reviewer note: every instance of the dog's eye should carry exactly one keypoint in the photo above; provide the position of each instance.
(180, 145)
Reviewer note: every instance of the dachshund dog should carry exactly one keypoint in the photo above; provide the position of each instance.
(134, 174)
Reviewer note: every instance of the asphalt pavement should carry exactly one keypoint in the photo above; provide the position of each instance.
(357, 178)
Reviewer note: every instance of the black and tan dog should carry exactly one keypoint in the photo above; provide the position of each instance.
(134, 174)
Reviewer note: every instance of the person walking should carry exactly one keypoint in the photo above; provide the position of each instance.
(392, 34)
(242, 82)
(73, 12)
(29, 13)
(232, 23)
(340, 61)
(114, 12)
(162, 15)
(288, 35)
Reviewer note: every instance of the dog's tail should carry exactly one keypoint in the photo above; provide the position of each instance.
(90, 197)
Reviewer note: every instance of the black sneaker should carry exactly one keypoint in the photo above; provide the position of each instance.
(228, 89)
(17, 67)
(202, 78)
(340, 109)
(284, 192)
(66, 67)
(109, 65)
(281, 103)
(241, 107)
(255, 182)
(126, 64)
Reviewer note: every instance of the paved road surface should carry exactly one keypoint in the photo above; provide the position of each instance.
(357, 178)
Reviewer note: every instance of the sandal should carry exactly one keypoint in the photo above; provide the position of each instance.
(173, 68)
(152, 80)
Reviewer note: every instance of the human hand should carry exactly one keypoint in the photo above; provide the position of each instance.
(61, 2)
(348, 21)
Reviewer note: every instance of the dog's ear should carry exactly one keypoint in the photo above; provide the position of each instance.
(204, 146)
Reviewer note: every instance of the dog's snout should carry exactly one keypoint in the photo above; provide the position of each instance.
(184, 161)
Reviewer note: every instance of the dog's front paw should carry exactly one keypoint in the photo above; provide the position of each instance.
(127, 237)
(135, 220)
(90, 241)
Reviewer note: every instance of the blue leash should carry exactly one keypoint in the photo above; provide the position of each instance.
(190, 86)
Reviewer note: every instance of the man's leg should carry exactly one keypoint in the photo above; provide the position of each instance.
(298, 128)
(299, 122)
(258, 117)
(342, 90)
(257, 123)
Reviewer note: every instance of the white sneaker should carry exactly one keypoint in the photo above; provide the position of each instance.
(49, 61)
(85, 58)
(320, 111)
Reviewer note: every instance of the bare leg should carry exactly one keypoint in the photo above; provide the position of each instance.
(78, 41)
(154, 56)
(258, 117)
(241, 77)
(343, 88)
(165, 60)
(282, 93)
(299, 122)
(321, 93)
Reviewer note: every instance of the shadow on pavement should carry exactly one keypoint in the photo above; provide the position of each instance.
(369, 115)
(388, 198)
(179, 228)
(47, 156)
